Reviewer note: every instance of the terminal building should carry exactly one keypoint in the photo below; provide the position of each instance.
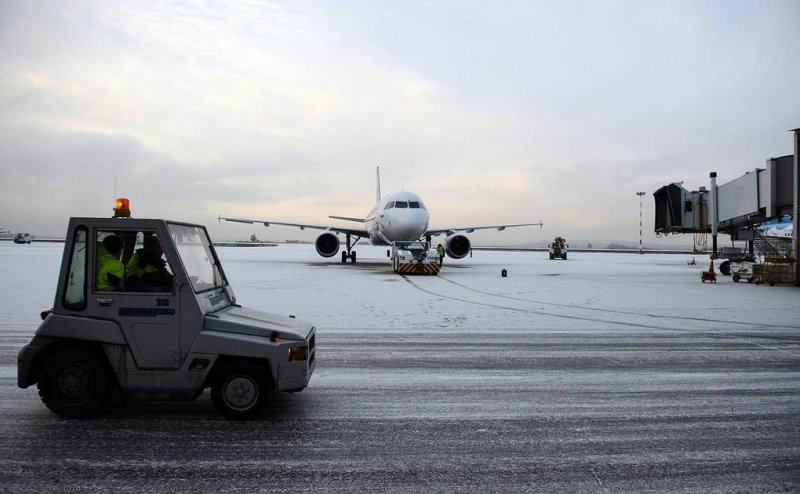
(740, 208)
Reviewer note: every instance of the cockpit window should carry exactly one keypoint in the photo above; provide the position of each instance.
(406, 205)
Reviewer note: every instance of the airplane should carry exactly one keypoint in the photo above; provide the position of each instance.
(781, 227)
(398, 216)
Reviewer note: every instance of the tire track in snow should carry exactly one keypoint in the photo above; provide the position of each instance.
(527, 311)
(716, 334)
(614, 311)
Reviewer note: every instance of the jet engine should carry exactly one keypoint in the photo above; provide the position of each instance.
(327, 244)
(457, 246)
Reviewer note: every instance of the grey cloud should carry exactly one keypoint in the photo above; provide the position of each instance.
(75, 174)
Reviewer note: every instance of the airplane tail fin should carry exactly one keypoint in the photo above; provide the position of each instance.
(378, 189)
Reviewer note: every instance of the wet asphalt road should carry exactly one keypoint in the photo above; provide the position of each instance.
(443, 411)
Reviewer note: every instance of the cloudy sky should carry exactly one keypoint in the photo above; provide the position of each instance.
(504, 111)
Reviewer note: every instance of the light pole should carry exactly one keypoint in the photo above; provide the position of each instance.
(640, 194)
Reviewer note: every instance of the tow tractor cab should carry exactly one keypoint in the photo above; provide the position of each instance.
(414, 258)
(159, 327)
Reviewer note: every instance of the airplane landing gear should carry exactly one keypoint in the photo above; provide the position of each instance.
(350, 253)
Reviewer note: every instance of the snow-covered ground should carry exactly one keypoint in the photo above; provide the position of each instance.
(588, 292)
(603, 373)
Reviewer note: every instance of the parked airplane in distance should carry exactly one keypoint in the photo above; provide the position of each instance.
(782, 227)
(399, 216)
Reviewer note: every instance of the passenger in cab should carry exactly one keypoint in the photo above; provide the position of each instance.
(110, 270)
(147, 270)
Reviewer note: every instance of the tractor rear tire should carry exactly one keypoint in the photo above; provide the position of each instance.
(75, 382)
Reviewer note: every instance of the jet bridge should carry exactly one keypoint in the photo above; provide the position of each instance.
(736, 206)
(755, 197)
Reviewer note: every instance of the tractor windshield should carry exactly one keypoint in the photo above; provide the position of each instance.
(198, 257)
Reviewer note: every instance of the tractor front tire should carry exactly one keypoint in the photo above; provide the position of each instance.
(241, 391)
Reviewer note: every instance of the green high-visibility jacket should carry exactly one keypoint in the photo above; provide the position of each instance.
(107, 265)
(134, 267)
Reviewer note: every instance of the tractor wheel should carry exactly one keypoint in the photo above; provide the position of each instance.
(241, 391)
(736, 278)
(74, 382)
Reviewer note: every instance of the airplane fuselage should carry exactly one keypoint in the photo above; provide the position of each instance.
(400, 216)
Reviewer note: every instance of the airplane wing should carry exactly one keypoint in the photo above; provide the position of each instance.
(348, 218)
(336, 229)
(470, 229)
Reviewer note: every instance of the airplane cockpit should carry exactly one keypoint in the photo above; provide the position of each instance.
(405, 205)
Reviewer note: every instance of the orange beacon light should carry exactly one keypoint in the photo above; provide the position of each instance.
(122, 208)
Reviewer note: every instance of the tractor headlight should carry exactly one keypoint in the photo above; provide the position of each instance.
(298, 353)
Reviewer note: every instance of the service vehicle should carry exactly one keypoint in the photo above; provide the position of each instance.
(558, 249)
(22, 238)
(415, 257)
(744, 270)
(732, 256)
(163, 337)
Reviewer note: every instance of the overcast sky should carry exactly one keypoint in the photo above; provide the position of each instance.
(491, 111)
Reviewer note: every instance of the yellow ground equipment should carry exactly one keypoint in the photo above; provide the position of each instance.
(414, 258)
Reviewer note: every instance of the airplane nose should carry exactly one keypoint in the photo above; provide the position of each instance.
(410, 226)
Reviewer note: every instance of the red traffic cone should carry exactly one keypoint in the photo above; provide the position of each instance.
(709, 275)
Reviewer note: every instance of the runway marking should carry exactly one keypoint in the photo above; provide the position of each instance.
(712, 333)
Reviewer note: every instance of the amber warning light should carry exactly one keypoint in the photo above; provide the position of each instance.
(122, 208)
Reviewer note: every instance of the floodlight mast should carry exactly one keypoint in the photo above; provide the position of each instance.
(640, 194)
